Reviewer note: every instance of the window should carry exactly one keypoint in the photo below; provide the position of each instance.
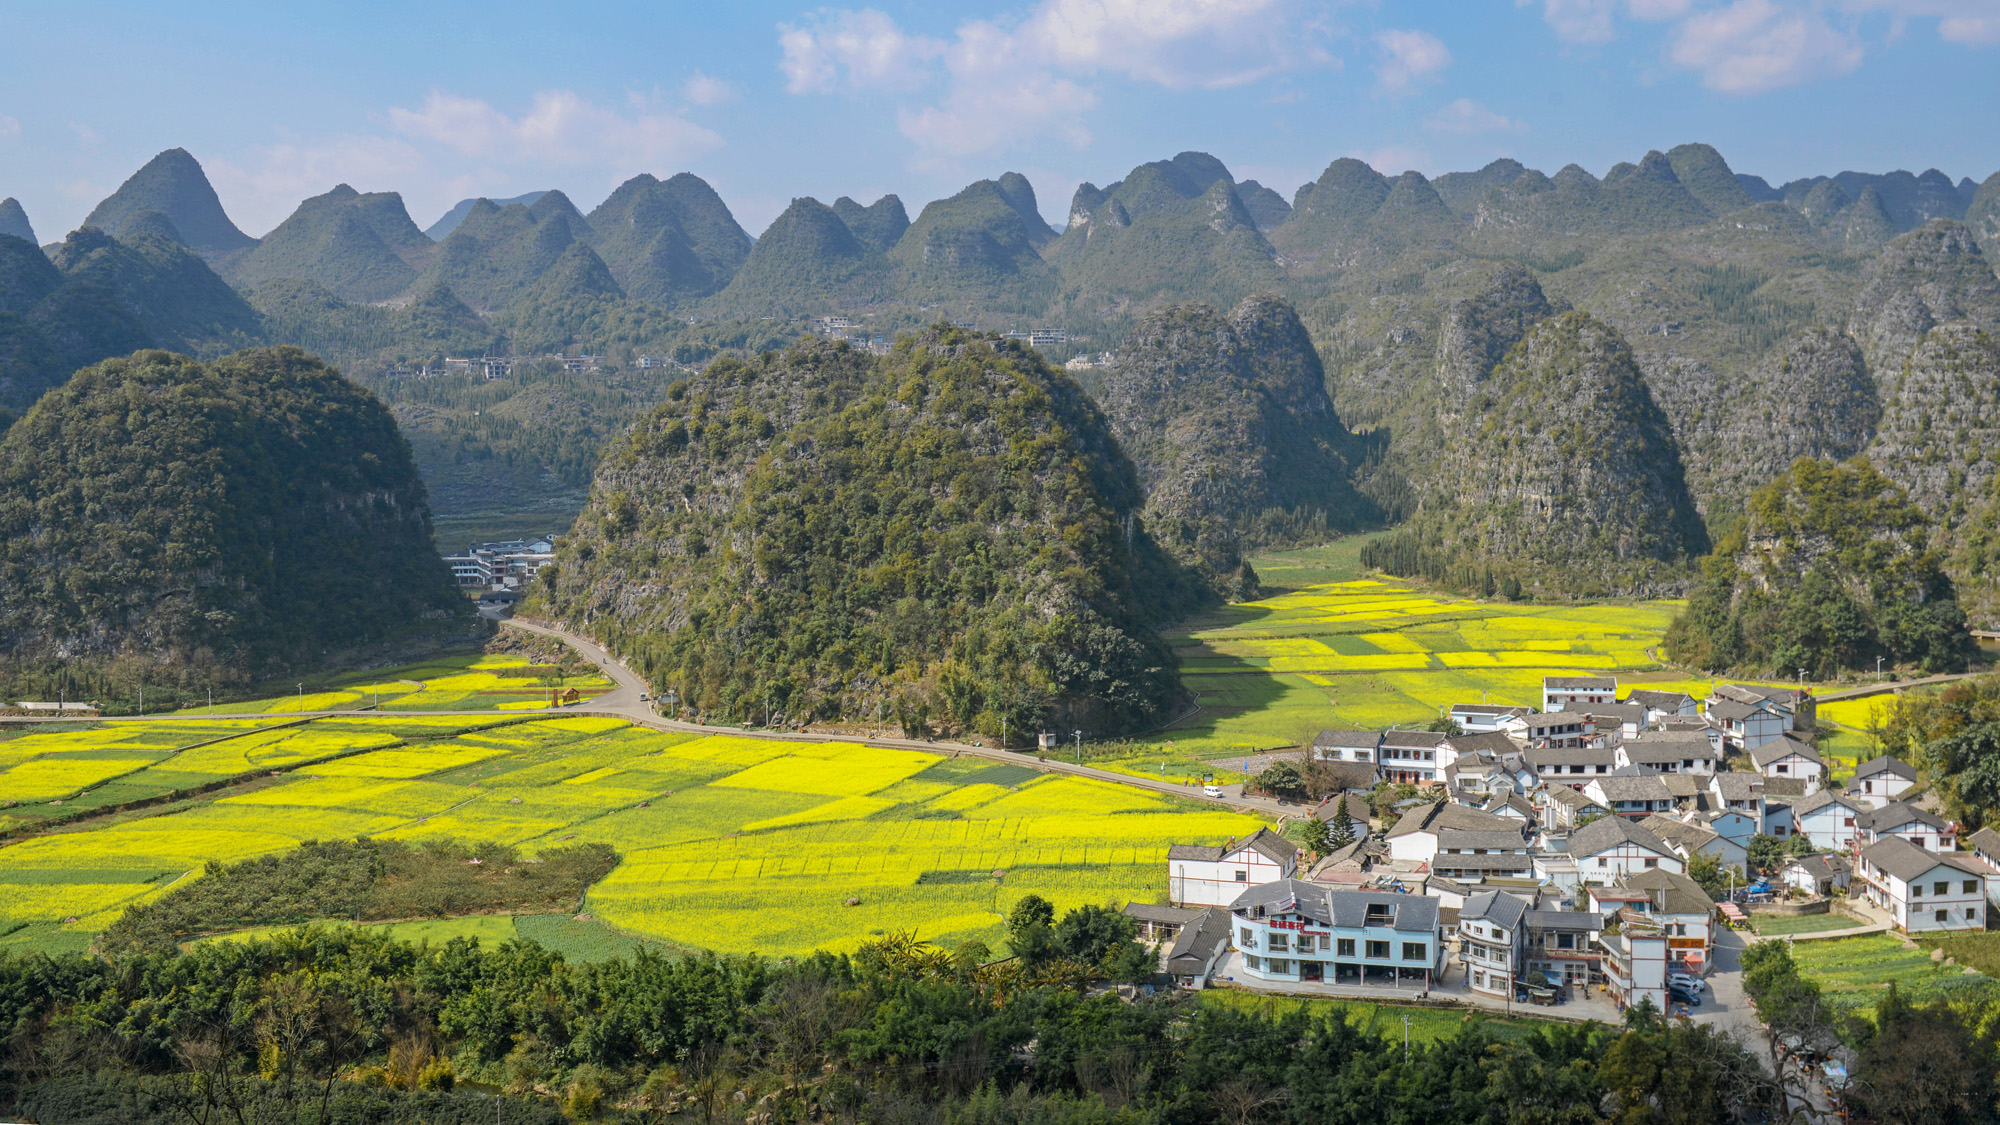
(1916, 890)
(1971, 914)
(1250, 962)
(1479, 979)
(1413, 951)
(1246, 938)
(1972, 886)
(1941, 887)
(1602, 862)
(1345, 947)
(1242, 876)
(1325, 943)
(1784, 769)
(1279, 943)
(1847, 822)
(1943, 914)
(1565, 941)
(1278, 966)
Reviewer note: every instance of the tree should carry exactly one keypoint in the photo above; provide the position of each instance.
(1030, 931)
(1766, 852)
(1707, 871)
(1316, 836)
(1923, 1066)
(1282, 779)
(1446, 725)
(1342, 829)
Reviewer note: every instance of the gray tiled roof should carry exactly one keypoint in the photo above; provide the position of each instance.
(1658, 700)
(1564, 795)
(1575, 921)
(1421, 739)
(1542, 758)
(1264, 840)
(1194, 950)
(1497, 907)
(1776, 788)
(1448, 814)
(1779, 747)
(1816, 801)
(1467, 861)
(1986, 840)
(1493, 741)
(1347, 909)
(1152, 912)
(1671, 893)
(1553, 719)
(1738, 786)
(1885, 764)
(1608, 832)
(1368, 739)
(1890, 817)
(1650, 788)
(1731, 709)
(1466, 838)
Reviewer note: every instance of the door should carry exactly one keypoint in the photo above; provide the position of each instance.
(1310, 970)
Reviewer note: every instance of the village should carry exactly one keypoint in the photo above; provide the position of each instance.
(1590, 856)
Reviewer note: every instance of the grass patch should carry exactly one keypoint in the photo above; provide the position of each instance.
(1427, 1025)
(1979, 950)
(1774, 925)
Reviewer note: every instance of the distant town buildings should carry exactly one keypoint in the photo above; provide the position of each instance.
(504, 564)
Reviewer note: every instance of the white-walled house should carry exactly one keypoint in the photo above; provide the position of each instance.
(1346, 745)
(1829, 818)
(1662, 705)
(1670, 752)
(1416, 836)
(1744, 726)
(1921, 828)
(1796, 706)
(1573, 766)
(1291, 931)
(1637, 797)
(1626, 720)
(1475, 855)
(1493, 941)
(1409, 755)
(1563, 807)
(1788, 755)
(1199, 876)
(1817, 874)
(1484, 718)
(1494, 745)
(1925, 891)
(1553, 729)
(1882, 781)
(1612, 847)
(1566, 693)
(1986, 848)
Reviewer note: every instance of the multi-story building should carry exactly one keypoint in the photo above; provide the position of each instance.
(1670, 752)
(1419, 835)
(1612, 848)
(1637, 796)
(1291, 931)
(1663, 705)
(1788, 755)
(1573, 766)
(507, 563)
(1684, 913)
(1347, 745)
(1829, 818)
(1566, 693)
(1555, 729)
(1881, 781)
(1924, 891)
(1484, 718)
(1409, 755)
(1920, 827)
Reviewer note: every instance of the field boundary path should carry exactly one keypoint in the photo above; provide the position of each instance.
(1893, 686)
(624, 702)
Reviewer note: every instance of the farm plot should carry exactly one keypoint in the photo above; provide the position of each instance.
(728, 842)
(1852, 972)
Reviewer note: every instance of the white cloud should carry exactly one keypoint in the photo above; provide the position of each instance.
(1394, 160)
(9, 128)
(1409, 57)
(1756, 45)
(1000, 84)
(1468, 116)
(1973, 31)
(1580, 21)
(865, 46)
(703, 90)
(561, 128)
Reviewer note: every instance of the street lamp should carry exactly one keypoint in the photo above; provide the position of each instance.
(1878, 667)
(1079, 746)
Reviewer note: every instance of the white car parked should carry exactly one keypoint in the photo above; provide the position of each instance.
(1687, 982)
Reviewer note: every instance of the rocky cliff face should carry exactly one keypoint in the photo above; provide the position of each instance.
(1560, 462)
(1228, 422)
(1933, 275)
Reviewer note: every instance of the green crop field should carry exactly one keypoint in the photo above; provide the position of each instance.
(728, 842)
(1852, 972)
(1426, 1024)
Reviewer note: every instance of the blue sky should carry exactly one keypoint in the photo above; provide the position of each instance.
(773, 100)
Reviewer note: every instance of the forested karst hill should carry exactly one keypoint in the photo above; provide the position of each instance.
(1237, 446)
(948, 532)
(220, 521)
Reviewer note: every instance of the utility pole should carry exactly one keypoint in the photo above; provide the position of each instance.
(211, 701)
(1406, 1038)
(1878, 668)
(302, 699)
(142, 701)
(1079, 746)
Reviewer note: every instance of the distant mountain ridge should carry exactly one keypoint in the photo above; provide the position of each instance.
(449, 221)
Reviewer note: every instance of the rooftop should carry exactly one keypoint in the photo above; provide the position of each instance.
(1345, 909)
(1580, 683)
(1605, 833)
(1896, 856)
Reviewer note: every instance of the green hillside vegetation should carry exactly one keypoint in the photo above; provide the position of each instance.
(975, 252)
(1832, 567)
(948, 533)
(174, 185)
(806, 262)
(496, 254)
(670, 241)
(213, 523)
(1237, 447)
(360, 247)
(877, 226)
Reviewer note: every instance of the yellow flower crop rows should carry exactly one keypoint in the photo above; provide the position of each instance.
(47, 779)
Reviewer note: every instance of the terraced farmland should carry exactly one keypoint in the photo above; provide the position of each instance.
(729, 842)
